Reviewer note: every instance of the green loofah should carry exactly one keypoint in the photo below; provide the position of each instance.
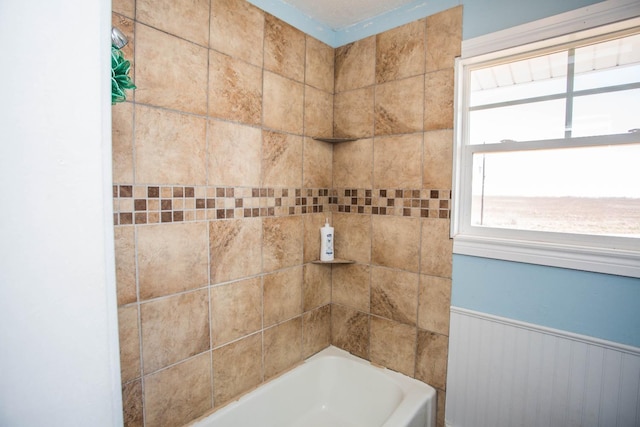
(120, 80)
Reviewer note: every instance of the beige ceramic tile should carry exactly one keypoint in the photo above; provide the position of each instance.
(393, 345)
(318, 112)
(319, 68)
(399, 106)
(170, 147)
(124, 7)
(237, 29)
(350, 330)
(395, 242)
(317, 164)
(172, 258)
(284, 49)
(235, 248)
(353, 164)
(282, 347)
(281, 160)
(236, 310)
(188, 19)
(282, 242)
(170, 72)
(234, 154)
(352, 237)
(125, 254)
(434, 303)
(237, 368)
(440, 408)
(283, 103)
(438, 159)
(353, 113)
(351, 286)
(122, 142)
(178, 394)
(400, 52)
(397, 161)
(438, 100)
(132, 404)
(129, 342)
(316, 286)
(355, 65)
(437, 248)
(394, 294)
(431, 359)
(312, 224)
(235, 89)
(174, 329)
(444, 38)
(282, 295)
(316, 330)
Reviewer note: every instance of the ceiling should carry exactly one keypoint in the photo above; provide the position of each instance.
(339, 14)
(339, 22)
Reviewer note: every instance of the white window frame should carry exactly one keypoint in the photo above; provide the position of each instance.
(603, 254)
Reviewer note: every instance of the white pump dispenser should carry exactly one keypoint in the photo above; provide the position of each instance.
(326, 242)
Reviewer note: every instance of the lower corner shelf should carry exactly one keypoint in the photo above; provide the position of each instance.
(334, 261)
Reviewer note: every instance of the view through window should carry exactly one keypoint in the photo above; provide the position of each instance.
(553, 139)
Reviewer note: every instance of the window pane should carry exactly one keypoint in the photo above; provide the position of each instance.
(610, 63)
(525, 122)
(610, 77)
(538, 76)
(587, 190)
(606, 113)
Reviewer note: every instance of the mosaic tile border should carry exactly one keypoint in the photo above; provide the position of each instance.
(152, 204)
(423, 203)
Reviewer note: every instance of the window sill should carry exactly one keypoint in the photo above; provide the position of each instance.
(599, 260)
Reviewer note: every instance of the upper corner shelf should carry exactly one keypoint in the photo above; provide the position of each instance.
(329, 139)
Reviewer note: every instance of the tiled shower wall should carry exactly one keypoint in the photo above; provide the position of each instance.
(395, 92)
(219, 192)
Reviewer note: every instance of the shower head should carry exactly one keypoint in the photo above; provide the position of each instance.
(118, 39)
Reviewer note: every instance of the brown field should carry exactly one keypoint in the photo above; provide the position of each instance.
(606, 216)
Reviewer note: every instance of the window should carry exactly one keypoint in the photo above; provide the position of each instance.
(548, 152)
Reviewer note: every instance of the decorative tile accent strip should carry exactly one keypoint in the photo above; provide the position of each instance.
(152, 204)
(148, 204)
(424, 203)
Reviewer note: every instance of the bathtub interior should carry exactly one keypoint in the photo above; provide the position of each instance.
(332, 388)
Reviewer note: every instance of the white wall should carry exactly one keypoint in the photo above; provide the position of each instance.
(58, 325)
(505, 373)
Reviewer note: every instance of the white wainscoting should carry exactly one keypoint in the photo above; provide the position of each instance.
(506, 373)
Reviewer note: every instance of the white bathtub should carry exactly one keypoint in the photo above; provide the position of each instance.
(332, 389)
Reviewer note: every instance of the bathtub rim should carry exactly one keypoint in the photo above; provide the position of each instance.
(416, 392)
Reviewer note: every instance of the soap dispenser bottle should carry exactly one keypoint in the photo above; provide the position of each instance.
(326, 242)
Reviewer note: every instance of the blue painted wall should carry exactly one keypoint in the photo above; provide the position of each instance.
(598, 305)
(479, 16)
(487, 16)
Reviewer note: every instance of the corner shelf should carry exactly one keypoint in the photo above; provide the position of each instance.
(334, 261)
(334, 140)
